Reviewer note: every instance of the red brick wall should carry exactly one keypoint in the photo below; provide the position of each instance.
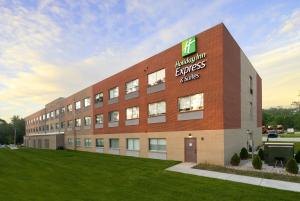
(210, 83)
(259, 100)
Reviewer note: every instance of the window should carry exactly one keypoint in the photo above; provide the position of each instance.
(99, 98)
(69, 108)
(114, 93)
(87, 142)
(114, 116)
(251, 84)
(156, 109)
(77, 122)
(157, 144)
(70, 141)
(56, 112)
(190, 103)
(63, 110)
(133, 144)
(87, 102)
(251, 110)
(57, 126)
(114, 143)
(77, 105)
(87, 121)
(156, 77)
(78, 142)
(99, 119)
(62, 124)
(132, 113)
(52, 114)
(99, 142)
(70, 122)
(51, 127)
(132, 86)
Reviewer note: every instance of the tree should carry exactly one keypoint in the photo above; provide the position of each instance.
(7, 130)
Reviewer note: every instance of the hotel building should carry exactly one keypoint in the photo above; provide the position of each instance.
(198, 101)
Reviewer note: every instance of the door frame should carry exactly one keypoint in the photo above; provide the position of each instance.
(185, 151)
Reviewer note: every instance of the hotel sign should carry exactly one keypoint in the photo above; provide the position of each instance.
(188, 67)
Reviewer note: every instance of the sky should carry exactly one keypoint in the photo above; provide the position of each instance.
(51, 49)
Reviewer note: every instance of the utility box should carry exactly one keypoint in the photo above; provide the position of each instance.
(278, 153)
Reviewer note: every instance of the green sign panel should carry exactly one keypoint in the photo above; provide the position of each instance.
(188, 46)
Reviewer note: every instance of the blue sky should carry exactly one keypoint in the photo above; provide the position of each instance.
(53, 48)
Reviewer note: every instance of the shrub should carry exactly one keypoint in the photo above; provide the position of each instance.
(244, 153)
(235, 160)
(291, 166)
(297, 157)
(256, 162)
(261, 154)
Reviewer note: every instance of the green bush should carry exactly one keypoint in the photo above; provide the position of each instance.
(297, 157)
(235, 160)
(291, 166)
(256, 162)
(244, 153)
(261, 154)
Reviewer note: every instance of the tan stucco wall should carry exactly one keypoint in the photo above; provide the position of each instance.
(54, 140)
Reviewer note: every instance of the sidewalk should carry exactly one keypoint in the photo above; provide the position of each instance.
(282, 185)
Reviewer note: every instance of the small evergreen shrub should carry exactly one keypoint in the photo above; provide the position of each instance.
(256, 162)
(261, 154)
(244, 153)
(297, 157)
(235, 160)
(292, 166)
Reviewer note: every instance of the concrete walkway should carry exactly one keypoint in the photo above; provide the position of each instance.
(282, 185)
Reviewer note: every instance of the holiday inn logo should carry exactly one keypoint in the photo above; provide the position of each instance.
(188, 46)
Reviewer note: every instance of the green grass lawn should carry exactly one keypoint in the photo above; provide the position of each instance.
(297, 134)
(31, 175)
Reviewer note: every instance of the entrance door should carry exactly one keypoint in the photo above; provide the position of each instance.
(190, 150)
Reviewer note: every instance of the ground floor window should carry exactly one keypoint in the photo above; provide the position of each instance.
(70, 141)
(114, 143)
(78, 142)
(87, 142)
(99, 142)
(133, 144)
(157, 144)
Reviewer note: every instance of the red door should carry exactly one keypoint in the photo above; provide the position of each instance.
(190, 150)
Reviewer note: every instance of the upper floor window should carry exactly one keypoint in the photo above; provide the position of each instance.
(87, 121)
(114, 116)
(87, 102)
(251, 110)
(56, 112)
(99, 98)
(69, 123)
(132, 86)
(69, 108)
(114, 93)
(63, 110)
(77, 105)
(99, 119)
(156, 109)
(251, 84)
(191, 103)
(132, 113)
(77, 122)
(156, 77)
(52, 114)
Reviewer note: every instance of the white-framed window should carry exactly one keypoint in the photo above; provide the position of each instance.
(132, 86)
(40, 118)
(191, 103)
(77, 122)
(99, 98)
(70, 123)
(157, 77)
(52, 114)
(77, 105)
(63, 110)
(78, 142)
(70, 141)
(99, 119)
(133, 144)
(156, 109)
(57, 112)
(132, 113)
(113, 116)
(87, 142)
(87, 121)
(69, 108)
(114, 143)
(87, 102)
(114, 93)
(44, 116)
(99, 142)
(157, 144)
